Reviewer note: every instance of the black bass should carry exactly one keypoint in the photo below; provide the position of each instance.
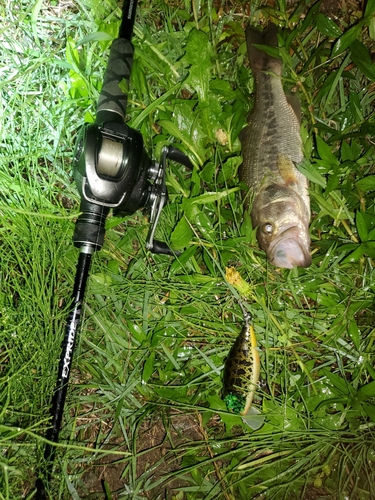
(271, 149)
(241, 371)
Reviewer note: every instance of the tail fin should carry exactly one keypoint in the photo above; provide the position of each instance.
(259, 60)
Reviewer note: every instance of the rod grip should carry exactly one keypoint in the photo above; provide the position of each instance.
(90, 226)
(112, 100)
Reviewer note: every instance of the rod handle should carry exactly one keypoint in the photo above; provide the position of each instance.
(113, 97)
(90, 226)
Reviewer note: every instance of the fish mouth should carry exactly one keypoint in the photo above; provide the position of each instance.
(289, 250)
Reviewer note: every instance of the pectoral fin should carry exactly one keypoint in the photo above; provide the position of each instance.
(287, 169)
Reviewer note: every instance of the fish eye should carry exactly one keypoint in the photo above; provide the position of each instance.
(267, 228)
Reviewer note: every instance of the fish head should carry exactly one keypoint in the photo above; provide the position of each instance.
(283, 226)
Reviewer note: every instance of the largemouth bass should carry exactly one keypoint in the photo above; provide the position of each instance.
(271, 149)
(241, 371)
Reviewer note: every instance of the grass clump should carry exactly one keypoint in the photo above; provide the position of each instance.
(144, 417)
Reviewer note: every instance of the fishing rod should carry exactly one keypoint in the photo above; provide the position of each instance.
(112, 171)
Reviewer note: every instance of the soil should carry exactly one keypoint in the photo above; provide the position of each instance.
(155, 460)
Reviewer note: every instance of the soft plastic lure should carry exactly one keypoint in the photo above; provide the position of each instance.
(241, 371)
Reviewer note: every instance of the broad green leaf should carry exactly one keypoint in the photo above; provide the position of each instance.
(198, 56)
(366, 184)
(325, 152)
(360, 222)
(333, 182)
(370, 410)
(229, 169)
(331, 401)
(98, 36)
(307, 141)
(136, 331)
(114, 221)
(327, 85)
(196, 475)
(183, 14)
(355, 255)
(338, 382)
(327, 26)
(370, 8)
(209, 111)
(180, 262)
(369, 247)
(246, 226)
(157, 103)
(102, 279)
(181, 235)
(356, 111)
(148, 368)
(79, 85)
(190, 210)
(72, 54)
(328, 208)
(309, 19)
(189, 125)
(229, 419)
(222, 88)
(172, 393)
(367, 391)
(195, 182)
(34, 17)
(110, 28)
(208, 197)
(362, 58)
(368, 128)
(371, 28)
(208, 172)
(310, 171)
(346, 39)
(271, 51)
(204, 224)
(354, 333)
(173, 129)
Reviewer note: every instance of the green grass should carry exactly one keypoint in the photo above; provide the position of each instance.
(144, 413)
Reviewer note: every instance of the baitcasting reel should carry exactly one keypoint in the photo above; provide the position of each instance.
(113, 171)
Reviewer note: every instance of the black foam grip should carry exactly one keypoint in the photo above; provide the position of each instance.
(112, 99)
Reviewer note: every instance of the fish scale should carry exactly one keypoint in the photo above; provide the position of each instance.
(271, 149)
(279, 126)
